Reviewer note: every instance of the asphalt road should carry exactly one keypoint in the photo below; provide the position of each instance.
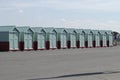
(64, 64)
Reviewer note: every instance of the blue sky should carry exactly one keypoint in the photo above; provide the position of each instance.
(86, 14)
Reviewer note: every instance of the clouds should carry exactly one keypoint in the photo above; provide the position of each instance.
(20, 11)
(102, 5)
(63, 20)
(93, 14)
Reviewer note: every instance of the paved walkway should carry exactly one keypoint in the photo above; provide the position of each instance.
(64, 64)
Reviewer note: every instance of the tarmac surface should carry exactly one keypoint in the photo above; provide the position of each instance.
(63, 64)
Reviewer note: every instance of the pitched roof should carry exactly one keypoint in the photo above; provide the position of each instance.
(87, 31)
(23, 28)
(70, 30)
(59, 30)
(48, 30)
(79, 30)
(36, 29)
(7, 28)
(95, 31)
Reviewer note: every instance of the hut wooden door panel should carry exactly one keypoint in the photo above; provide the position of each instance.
(30, 41)
(89, 40)
(63, 40)
(73, 40)
(41, 41)
(26, 41)
(97, 40)
(11, 44)
(82, 40)
(52, 40)
(15, 40)
(104, 40)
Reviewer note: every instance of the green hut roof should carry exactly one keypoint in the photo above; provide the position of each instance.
(95, 31)
(103, 31)
(79, 30)
(87, 31)
(69, 30)
(48, 30)
(36, 29)
(23, 29)
(7, 28)
(59, 30)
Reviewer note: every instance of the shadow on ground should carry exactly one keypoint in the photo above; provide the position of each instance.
(77, 75)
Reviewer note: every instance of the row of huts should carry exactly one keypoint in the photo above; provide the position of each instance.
(35, 38)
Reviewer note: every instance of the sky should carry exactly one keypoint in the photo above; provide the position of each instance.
(82, 14)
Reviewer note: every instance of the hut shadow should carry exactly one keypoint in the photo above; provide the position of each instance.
(77, 75)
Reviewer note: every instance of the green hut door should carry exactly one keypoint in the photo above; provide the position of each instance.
(90, 40)
(51, 40)
(30, 41)
(11, 36)
(13, 40)
(25, 40)
(41, 41)
(97, 40)
(104, 40)
(73, 39)
(52, 37)
(82, 39)
(63, 40)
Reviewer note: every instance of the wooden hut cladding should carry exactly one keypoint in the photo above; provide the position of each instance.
(61, 38)
(51, 38)
(109, 39)
(80, 38)
(88, 38)
(71, 38)
(8, 38)
(25, 38)
(39, 38)
(103, 38)
(96, 38)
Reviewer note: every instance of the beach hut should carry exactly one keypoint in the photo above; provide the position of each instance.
(96, 38)
(51, 38)
(61, 38)
(25, 38)
(103, 41)
(8, 38)
(101, 37)
(88, 38)
(71, 38)
(80, 38)
(109, 39)
(39, 38)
